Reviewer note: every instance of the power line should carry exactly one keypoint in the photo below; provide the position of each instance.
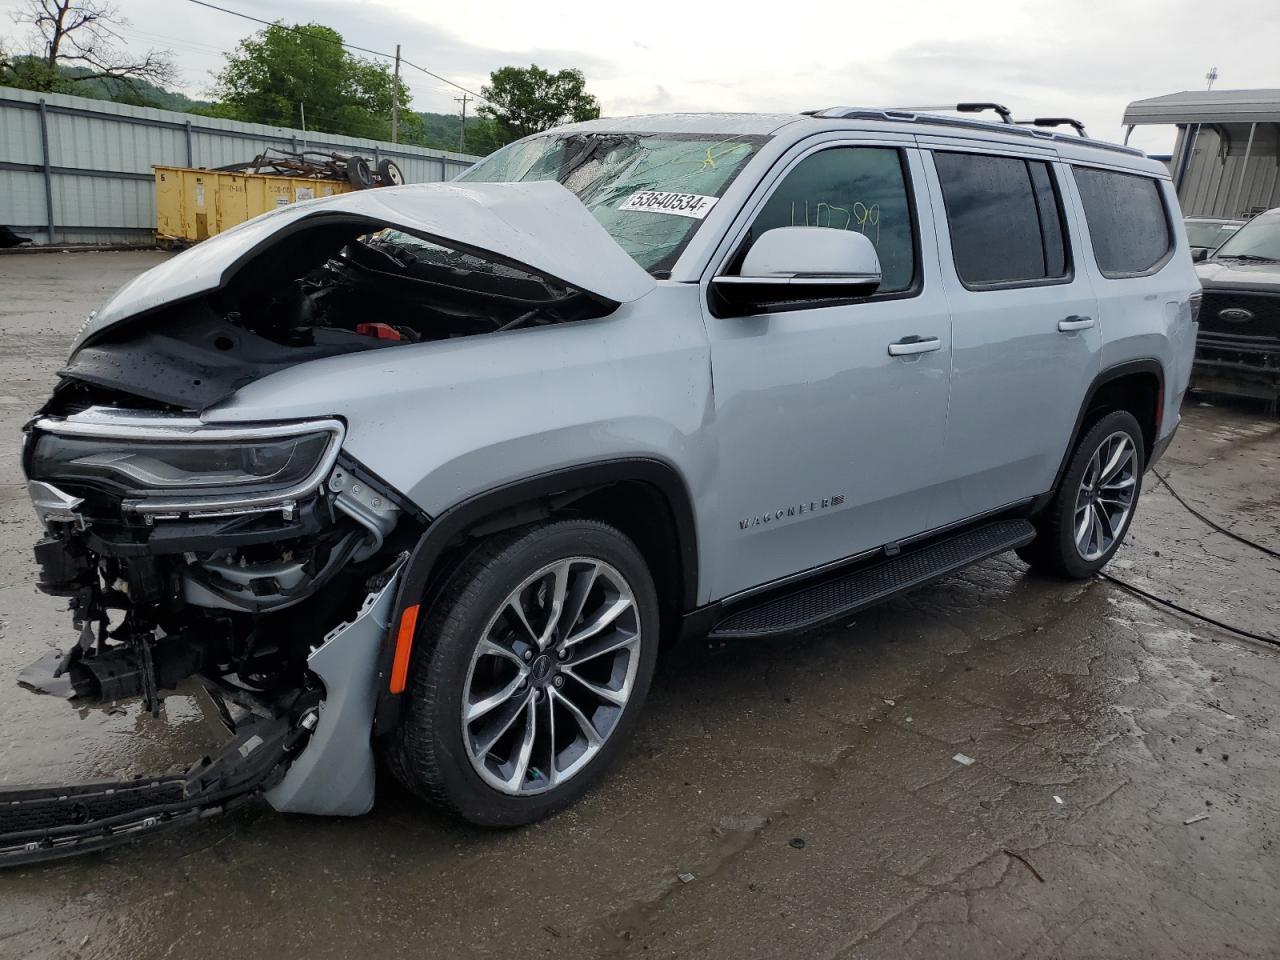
(1212, 523)
(1195, 614)
(1186, 611)
(341, 43)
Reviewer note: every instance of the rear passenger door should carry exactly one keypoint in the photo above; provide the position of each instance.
(1025, 330)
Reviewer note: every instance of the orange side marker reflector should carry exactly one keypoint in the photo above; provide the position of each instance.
(404, 646)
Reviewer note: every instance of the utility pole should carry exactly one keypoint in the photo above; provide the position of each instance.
(462, 131)
(1211, 76)
(395, 100)
(302, 109)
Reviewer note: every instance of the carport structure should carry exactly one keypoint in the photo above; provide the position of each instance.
(1226, 162)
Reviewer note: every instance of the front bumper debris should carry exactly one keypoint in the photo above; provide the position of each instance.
(239, 587)
(40, 823)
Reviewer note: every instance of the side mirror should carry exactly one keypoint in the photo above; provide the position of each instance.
(801, 265)
(1199, 254)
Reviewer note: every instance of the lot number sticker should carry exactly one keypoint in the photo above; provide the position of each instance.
(690, 205)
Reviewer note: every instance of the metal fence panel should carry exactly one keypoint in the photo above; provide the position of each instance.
(1214, 186)
(76, 170)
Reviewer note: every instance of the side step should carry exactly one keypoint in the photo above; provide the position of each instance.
(810, 607)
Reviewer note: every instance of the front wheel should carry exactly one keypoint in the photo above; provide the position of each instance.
(529, 673)
(1089, 515)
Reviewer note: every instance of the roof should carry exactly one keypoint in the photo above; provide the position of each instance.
(1207, 106)
(735, 124)
(910, 122)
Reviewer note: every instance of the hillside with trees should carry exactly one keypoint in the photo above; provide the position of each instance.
(282, 75)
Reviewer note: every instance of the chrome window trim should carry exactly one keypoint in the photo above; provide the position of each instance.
(111, 424)
(843, 279)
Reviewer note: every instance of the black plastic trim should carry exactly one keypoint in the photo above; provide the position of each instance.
(1128, 368)
(809, 607)
(456, 520)
(697, 624)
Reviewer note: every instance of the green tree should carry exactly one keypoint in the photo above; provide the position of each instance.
(271, 73)
(525, 100)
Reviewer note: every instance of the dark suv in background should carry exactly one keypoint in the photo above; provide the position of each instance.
(1238, 349)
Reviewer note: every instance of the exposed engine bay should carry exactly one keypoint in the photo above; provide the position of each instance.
(334, 285)
(227, 553)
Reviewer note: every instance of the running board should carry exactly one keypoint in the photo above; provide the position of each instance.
(50, 822)
(813, 606)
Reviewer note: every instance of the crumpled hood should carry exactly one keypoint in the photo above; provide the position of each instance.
(1239, 275)
(538, 225)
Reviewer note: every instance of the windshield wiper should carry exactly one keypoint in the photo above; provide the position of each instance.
(1249, 257)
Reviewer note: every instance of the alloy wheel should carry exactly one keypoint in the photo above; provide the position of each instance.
(550, 676)
(1106, 496)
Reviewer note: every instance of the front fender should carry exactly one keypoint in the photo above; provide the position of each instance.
(397, 641)
(334, 773)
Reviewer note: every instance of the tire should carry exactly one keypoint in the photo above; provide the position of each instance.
(389, 174)
(1063, 546)
(449, 762)
(358, 173)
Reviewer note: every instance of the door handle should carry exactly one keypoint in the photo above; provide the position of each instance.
(1073, 323)
(908, 346)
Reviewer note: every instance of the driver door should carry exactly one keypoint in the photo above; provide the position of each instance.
(829, 444)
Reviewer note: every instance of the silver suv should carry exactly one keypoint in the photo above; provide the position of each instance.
(434, 472)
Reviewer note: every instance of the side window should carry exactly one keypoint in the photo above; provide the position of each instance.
(1127, 220)
(1005, 219)
(850, 188)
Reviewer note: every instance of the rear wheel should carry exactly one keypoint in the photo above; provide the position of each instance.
(529, 674)
(1089, 515)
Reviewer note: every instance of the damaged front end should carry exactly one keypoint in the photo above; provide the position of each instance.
(257, 558)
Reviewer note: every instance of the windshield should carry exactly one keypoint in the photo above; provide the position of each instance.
(1209, 233)
(649, 191)
(1259, 239)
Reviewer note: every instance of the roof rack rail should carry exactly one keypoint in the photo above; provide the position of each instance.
(1054, 122)
(1005, 114)
(1025, 129)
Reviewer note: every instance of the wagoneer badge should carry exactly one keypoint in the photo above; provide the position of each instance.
(794, 510)
(1235, 315)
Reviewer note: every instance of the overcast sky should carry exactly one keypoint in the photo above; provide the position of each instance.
(1040, 57)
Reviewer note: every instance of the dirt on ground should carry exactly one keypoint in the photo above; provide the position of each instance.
(790, 799)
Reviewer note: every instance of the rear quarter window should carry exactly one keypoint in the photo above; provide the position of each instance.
(1128, 223)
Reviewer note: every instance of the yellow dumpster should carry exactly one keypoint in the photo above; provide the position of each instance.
(193, 205)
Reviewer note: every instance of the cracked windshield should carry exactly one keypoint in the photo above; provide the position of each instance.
(649, 191)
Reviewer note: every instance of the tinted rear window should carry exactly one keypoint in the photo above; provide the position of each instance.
(1004, 217)
(1127, 220)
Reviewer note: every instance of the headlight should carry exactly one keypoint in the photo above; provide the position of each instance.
(159, 463)
(138, 468)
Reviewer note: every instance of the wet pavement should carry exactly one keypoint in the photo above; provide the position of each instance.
(806, 790)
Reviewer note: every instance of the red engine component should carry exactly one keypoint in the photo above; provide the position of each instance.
(383, 331)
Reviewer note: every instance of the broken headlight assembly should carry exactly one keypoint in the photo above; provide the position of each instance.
(181, 544)
(163, 465)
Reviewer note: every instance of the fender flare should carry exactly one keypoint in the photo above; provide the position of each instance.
(448, 525)
(1115, 372)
